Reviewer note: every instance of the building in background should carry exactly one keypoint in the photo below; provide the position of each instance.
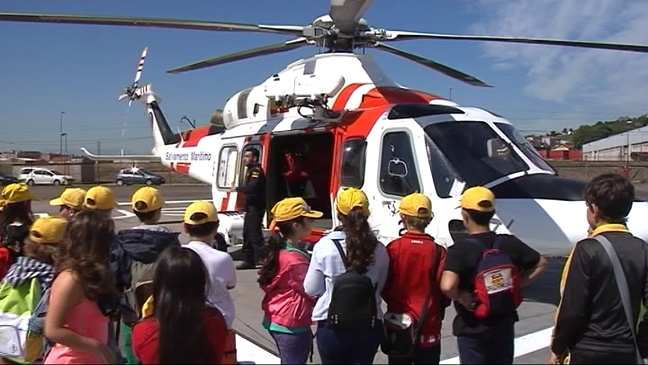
(555, 148)
(629, 146)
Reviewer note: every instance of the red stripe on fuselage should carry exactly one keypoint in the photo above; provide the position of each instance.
(342, 99)
(193, 136)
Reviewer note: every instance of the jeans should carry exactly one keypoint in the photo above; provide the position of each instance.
(112, 342)
(348, 347)
(427, 355)
(580, 356)
(294, 348)
(495, 346)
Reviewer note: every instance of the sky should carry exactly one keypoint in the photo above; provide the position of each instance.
(81, 69)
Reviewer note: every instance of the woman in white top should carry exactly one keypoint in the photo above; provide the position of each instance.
(365, 255)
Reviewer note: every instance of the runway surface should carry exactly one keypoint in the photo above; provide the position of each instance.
(256, 346)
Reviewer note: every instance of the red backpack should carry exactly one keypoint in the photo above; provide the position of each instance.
(497, 286)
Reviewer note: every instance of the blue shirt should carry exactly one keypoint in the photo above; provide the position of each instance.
(326, 265)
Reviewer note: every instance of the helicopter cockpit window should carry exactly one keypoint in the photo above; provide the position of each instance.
(353, 163)
(524, 146)
(398, 175)
(447, 181)
(475, 151)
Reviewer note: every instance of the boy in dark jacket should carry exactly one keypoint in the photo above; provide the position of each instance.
(133, 257)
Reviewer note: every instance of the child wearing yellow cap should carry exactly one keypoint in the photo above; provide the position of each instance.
(353, 245)
(201, 224)
(70, 202)
(37, 262)
(15, 219)
(100, 198)
(416, 265)
(133, 259)
(286, 306)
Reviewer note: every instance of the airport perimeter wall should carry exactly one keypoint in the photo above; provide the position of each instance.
(90, 172)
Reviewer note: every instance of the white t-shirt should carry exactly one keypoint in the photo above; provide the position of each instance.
(222, 274)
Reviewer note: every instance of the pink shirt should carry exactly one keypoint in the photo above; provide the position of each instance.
(87, 320)
(285, 302)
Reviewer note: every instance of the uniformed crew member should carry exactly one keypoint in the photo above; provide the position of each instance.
(254, 190)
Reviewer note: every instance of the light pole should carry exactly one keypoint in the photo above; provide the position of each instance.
(629, 124)
(450, 94)
(65, 135)
(61, 133)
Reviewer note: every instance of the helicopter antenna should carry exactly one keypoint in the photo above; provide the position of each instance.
(185, 119)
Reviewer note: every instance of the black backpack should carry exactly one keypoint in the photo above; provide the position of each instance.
(353, 300)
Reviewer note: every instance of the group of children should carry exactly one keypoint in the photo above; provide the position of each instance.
(95, 294)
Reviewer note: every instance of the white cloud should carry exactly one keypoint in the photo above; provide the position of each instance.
(600, 79)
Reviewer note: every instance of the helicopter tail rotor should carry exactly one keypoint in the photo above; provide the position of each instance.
(130, 91)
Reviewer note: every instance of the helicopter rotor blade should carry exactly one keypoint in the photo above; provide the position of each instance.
(140, 66)
(242, 55)
(149, 22)
(448, 71)
(405, 36)
(345, 14)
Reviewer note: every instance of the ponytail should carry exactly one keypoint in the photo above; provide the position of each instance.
(360, 240)
(269, 253)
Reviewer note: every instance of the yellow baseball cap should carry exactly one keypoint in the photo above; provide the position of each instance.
(416, 205)
(203, 207)
(100, 198)
(2, 204)
(71, 197)
(478, 198)
(149, 196)
(351, 198)
(17, 193)
(47, 230)
(291, 208)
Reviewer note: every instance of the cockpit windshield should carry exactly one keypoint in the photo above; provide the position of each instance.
(524, 146)
(473, 149)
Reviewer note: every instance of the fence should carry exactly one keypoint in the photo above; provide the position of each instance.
(95, 172)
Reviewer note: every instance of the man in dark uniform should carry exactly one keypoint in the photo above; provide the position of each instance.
(254, 190)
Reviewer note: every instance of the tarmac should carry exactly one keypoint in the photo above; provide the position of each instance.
(254, 344)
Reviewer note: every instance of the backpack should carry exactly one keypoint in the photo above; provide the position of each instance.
(141, 285)
(353, 300)
(21, 311)
(497, 286)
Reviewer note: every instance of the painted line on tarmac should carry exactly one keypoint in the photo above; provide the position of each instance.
(249, 353)
(523, 345)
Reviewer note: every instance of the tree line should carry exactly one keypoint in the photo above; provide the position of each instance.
(602, 129)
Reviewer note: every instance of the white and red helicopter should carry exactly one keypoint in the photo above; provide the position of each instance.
(335, 120)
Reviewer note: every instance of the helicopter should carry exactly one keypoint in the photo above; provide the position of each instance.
(336, 120)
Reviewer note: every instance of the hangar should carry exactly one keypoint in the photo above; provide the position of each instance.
(628, 146)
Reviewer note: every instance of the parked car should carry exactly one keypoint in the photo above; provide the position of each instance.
(136, 176)
(6, 179)
(41, 176)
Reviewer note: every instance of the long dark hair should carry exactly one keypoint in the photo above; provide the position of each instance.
(179, 297)
(269, 253)
(15, 212)
(360, 240)
(85, 249)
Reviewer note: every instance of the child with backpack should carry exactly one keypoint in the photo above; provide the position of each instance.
(15, 219)
(83, 294)
(133, 259)
(24, 292)
(347, 273)
(484, 275)
(287, 308)
(415, 304)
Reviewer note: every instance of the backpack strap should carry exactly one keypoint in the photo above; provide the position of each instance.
(338, 245)
(624, 292)
(426, 303)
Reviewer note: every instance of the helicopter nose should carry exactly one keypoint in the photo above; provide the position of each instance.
(548, 212)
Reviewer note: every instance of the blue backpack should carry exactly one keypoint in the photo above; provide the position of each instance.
(497, 286)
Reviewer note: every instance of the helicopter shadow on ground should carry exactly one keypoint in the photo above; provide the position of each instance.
(546, 288)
